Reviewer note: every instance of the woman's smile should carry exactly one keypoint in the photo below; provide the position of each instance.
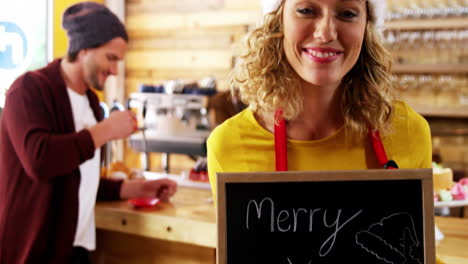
(322, 55)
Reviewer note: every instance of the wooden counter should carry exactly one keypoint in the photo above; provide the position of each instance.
(184, 231)
(454, 247)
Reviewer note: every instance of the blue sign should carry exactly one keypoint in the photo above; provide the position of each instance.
(13, 46)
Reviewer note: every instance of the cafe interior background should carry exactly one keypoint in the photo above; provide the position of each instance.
(182, 52)
(180, 55)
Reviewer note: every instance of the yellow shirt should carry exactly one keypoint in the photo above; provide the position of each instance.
(241, 144)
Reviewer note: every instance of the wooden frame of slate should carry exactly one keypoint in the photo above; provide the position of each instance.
(365, 216)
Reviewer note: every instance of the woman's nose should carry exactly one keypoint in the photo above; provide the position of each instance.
(325, 29)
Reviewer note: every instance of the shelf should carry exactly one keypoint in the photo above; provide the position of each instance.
(430, 68)
(450, 132)
(427, 24)
(460, 203)
(441, 112)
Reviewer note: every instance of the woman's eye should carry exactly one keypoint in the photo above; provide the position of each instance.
(348, 14)
(306, 11)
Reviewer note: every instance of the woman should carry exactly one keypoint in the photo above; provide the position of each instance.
(320, 66)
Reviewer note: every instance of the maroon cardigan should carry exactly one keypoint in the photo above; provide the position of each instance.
(40, 155)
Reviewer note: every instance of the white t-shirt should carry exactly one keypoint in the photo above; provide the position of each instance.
(86, 229)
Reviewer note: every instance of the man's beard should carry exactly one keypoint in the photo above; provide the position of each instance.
(94, 80)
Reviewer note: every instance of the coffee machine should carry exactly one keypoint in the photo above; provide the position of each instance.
(173, 118)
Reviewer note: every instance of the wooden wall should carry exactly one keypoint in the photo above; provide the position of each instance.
(187, 39)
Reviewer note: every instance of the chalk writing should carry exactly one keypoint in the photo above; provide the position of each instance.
(393, 239)
(290, 262)
(287, 220)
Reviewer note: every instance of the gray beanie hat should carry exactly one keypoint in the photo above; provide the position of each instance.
(89, 25)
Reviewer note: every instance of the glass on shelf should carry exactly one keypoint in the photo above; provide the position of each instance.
(421, 9)
(428, 47)
(425, 88)
(432, 91)
(446, 94)
(462, 84)
(462, 46)
(408, 88)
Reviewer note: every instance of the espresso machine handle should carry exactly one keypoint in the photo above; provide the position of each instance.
(107, 148)
(129, 100)
(143, 111)
(142, 129)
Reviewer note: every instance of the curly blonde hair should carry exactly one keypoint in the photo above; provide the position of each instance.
(267, 82)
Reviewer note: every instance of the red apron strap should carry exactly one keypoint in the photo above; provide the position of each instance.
(379, 150)
(281, 151)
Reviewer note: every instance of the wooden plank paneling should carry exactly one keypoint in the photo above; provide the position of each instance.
(156, 22)
(232, 30)
(139, 7)
(243, 5)
(215, 42)
(179, 59)
(179, 6)
(188, 74)
(132, 84)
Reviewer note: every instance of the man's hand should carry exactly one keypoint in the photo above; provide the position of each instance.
(120, 124)
(162, 189)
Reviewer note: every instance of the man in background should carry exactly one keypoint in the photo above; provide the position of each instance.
(50, 139)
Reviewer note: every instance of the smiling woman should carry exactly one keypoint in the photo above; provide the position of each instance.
(335, 31)
(316, 80)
